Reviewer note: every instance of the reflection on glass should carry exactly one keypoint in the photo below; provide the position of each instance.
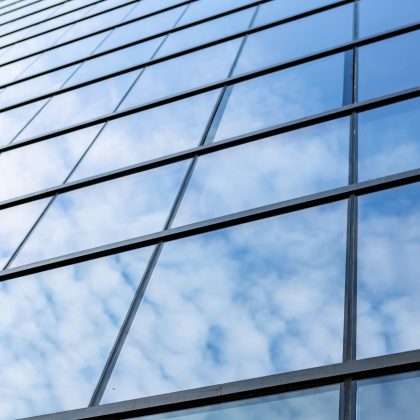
(275, 169)
(283, 96)
(292, 40)
(57, 329)
(183, 73)
(389, 140)
(79, 105)
(103, 213)
(389, 66)
(15, 223)
(41, 165)
(391, 397)
(145, 7)
(206, 32)
(313, 404)
(280, 9)
(149, 134)
(393, 14)
(253, 300)
(388, 272)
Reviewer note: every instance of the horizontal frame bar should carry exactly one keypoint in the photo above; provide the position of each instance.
(249, 388)
(211, 147)
(217, 223)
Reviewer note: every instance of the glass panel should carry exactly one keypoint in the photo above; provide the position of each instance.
(201, 9)
(282, 96)
(393, 14)
(389, 397)
(183, 73)
(41, 165)
(275, 169)
(389, 66)
(206, 32)
(389, 140)
(57, 330)
(149, 6)
(289, 41)
(141, 29)
(313, 404)
(12, 71)
(115, 61)
(108, 212)
(388, 272)
(149, 134)
(79, 105)
(253, 300)
(15, 223)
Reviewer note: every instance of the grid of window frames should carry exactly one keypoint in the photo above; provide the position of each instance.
(210, 209)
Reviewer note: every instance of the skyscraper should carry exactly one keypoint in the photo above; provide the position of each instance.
(209, 209)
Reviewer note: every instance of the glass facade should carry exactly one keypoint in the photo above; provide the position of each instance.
(209, 209)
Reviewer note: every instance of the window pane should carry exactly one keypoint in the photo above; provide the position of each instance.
(389, 140)
(238, 303)
(389, 66)
(79, 105)
(280, 9)
(388, 272)
(41, 165)
(274, 169)
(183, 73)
(108, 212)
(282, 96)
(57, 329)
(392, 15)
(313, 404)
(291, 40)
(389, 397)
(149, 134)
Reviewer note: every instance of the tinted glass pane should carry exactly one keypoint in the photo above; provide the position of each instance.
(79, 105)
(57, 330)
(206, 32)
(289, 41)
(238, 303)
(388, 272)
(104, 213)
(280, 9)
(314, 404)
(275, 169)
(41, 165)
(149, 6)
(389, 398)
(282, 96)
(389, 66)
(389, 140)
(392, 15)
(183, 73)
(150, 134)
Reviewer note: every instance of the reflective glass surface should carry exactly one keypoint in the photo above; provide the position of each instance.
(393, 14)
(57, 329)
(388, 272)
(389, 66)
(314, 404)
(389, 139)
(109, 212)
(253, 300)
(282, 96)
(79, 105)
(41, 165)
(183, 73)
(288, 41)
(280, 9)
(275, 169)
(150, 134)
(389, 397)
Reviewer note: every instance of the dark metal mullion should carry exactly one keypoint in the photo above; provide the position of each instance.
(200, 150)
(144, 281)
